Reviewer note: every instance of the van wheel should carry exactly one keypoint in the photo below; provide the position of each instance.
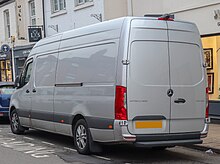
(81, 137)
(16, 127)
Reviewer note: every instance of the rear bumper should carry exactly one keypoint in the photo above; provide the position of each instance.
(154, 140)
(4, 112)
(167, 139)
(168, 143)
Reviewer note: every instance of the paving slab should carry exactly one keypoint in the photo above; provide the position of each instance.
(212, 141)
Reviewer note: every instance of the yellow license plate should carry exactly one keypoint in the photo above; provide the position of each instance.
(148, 124)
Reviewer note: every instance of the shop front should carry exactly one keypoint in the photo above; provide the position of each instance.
(211, 48)
(20, 55)
(5, 67)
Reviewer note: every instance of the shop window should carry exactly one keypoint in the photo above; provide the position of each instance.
(5, 70)
(211, 50)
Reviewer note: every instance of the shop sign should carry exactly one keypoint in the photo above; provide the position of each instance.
(22, 53)
(5, 48)
(26, 52)
(3, 57)
(34, 34)
(20, 18)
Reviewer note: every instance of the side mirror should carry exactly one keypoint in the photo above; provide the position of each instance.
(17, 82)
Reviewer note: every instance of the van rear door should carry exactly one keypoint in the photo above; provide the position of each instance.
(187, 78)
(148, 79)
(166, 79)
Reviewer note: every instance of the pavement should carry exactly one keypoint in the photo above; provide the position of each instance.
(211, 144)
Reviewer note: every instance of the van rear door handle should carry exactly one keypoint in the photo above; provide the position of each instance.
(180, 100)
(34, 90)
(27, 91)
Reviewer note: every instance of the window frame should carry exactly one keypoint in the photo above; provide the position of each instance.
(78, 3)
(7, 24)
(32, 8)
(59, 4)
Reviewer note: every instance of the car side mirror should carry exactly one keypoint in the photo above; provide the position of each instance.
(17, 82)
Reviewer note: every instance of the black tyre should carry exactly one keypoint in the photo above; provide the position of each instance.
(16, 127)
(82, 137)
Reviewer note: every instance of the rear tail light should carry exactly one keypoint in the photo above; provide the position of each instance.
(120, 103)
(207, 103)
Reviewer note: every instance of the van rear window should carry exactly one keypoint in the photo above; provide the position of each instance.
(185, 64)
(149, 63)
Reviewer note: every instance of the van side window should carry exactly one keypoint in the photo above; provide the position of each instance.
(45, 70)
(88, 64)
(25, 77)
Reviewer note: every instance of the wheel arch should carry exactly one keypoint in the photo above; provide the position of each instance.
(11, 109)
(75, 119)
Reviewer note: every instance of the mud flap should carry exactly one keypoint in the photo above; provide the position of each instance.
(94, 146)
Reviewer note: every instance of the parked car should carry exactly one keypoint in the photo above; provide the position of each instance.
(6, 90)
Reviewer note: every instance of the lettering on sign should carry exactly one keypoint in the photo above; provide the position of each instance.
(26, 52)
(20, 18)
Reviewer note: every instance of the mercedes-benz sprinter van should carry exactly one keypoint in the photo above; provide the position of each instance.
(130, 80)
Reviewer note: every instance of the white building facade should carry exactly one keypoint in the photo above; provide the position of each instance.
(7, 28)
(63, 15)
(70, 14)
(18, 19)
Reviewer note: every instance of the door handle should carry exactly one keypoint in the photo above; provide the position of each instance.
(34, 90)
(27, 91)
(179, 100)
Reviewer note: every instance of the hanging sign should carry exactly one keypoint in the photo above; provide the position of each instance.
(35, 34)
(5, 48)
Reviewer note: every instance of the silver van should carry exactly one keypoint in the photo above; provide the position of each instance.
(131, 80)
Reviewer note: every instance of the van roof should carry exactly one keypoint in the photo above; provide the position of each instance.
(91, 29)
(105, 25)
